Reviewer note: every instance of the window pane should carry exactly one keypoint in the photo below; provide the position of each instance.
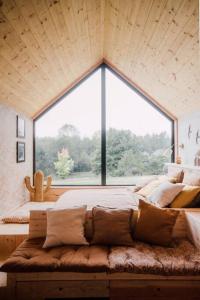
(138, 137)
(68, 140)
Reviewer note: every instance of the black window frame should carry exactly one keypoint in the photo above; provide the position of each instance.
(103, 68)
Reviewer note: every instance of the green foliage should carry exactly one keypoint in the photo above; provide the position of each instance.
(127, 154)
(64, 165)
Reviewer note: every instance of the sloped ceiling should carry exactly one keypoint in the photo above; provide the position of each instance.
(46, 46)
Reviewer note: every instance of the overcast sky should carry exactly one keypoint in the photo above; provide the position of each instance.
(81, 108)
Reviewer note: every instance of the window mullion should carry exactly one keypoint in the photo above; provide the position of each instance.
(103, 126)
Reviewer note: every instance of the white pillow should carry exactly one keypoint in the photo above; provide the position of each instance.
(65, 227)
(165, 193)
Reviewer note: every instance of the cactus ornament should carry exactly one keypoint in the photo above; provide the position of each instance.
(38, 190)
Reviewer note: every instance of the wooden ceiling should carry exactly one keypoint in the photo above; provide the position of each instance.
(46, 46)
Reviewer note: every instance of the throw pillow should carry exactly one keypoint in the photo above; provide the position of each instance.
(191, 179)
(148, 189)
(165, 193)
(186, 198)
(65, 227)
(155, 225)
(176, 174)
(112, 226)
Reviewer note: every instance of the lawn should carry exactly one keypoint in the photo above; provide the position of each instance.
(87, 178)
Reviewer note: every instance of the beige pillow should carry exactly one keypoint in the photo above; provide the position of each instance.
(165, 193)
(191, 179)
(148, 189)
(155, 225)
(65, 227)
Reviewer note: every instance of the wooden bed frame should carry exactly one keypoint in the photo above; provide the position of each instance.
(116, 286)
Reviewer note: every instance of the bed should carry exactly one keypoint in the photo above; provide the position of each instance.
(109, 197)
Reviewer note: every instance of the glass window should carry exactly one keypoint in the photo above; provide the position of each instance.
(67, 137)
(138, 136)
(74, 135)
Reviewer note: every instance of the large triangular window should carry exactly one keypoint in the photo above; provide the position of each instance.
(103, 132)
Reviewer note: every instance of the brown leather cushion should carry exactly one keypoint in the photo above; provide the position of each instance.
(155, 225)
(31, 257)
(112, 226)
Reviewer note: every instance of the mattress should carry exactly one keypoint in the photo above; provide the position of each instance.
(109, 197)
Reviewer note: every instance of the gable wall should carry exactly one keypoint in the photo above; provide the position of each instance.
(190, 145)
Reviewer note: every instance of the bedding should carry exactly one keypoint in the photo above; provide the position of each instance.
(109, 197)
(182, 259)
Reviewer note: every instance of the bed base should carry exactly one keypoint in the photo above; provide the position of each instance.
(117, 286)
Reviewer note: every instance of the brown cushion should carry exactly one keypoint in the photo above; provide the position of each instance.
(155, 225)
(181, 259)
(176, 174)
(31, 257)
(112, 226)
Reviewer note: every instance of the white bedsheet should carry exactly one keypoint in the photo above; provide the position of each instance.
(109, 197)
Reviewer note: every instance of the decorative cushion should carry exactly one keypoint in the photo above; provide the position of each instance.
(112, 226)
(65, 227)
(155, 225)
(165, 193)
(176, 174)
(191, 179)
(148, 189)
(143, 182)
(187, 197)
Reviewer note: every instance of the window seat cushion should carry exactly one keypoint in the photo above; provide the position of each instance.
(141, 258)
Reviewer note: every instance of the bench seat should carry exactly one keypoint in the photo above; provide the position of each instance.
(181, 259)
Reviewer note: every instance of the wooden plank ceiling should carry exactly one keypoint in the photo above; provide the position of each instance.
(47, 45)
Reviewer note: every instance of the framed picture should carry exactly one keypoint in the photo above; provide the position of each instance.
(20, 152)
(20, 127)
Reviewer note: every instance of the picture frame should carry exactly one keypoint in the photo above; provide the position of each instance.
(20, 127)
(21, 151)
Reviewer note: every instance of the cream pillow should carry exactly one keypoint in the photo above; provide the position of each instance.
(165, 193)
(191, 179)
(148, 189)
(65, 227)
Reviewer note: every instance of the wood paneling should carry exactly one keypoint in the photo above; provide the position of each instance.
(155, 43)
(47, 45)
(44, 47)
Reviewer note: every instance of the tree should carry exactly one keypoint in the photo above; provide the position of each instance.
(64, 165)
(68, 130)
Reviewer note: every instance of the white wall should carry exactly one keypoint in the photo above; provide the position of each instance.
(12, 189)
(190, 147)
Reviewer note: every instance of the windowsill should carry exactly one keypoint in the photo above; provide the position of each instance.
(89, 186)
